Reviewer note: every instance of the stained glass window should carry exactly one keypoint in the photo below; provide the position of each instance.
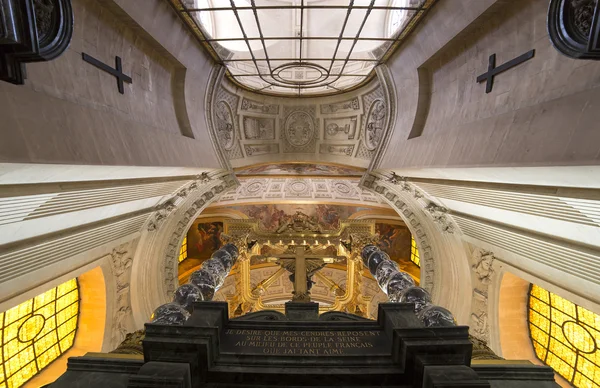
(414, 253)
(183, 250)
(36, 332)
(565, 336)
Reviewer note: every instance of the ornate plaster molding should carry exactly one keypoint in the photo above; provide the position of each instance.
(288, 189)
(351, 128)
(388, 86)
(160, 246)
(482, 275)
(444, 266)
(215, 79)
(121, 261)
(428, 262)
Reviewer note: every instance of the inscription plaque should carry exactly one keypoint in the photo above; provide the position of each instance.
(305, 342)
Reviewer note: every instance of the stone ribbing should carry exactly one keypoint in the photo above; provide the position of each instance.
(400, 288)
(201, 287)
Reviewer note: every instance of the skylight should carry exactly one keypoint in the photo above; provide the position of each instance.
(301, 47)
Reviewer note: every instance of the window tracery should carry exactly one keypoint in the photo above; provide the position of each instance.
(37, 332)
(301, 47)
(565, 337)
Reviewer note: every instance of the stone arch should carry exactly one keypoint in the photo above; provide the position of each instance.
(445, 270)
(154, 272)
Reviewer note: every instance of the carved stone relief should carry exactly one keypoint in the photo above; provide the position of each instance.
(344, 189)
(121, 260)
(225, 121)
(298, 188)
(482, 271)
(336, 149)
(340, 107)
(261, 149)
(439, 214)
(375, 124)
(342, 128)
(259, 107)
(225, 125)
(292, 188)
(331, 131)
(259, 128)
(254, 188)
(300, 130)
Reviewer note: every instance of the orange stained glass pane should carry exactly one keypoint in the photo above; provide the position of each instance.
(30, 335)
(574, 337)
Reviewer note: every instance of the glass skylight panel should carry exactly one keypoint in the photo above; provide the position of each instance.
(301, 47)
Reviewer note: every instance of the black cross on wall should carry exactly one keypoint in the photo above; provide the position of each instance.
(494, 71)
(117, 71)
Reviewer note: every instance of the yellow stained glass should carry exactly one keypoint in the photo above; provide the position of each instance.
(565, 337)
(414, 253)
(183, 250)
(37, 332)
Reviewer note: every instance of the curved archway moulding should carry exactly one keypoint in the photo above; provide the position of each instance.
(154, 272)
(445, 270)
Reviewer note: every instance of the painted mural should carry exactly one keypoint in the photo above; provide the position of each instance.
(203, 239)
(301, 169)
(395, 240)
(273, 216)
